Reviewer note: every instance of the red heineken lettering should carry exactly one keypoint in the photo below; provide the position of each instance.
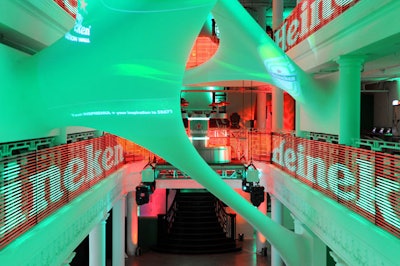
(307, 18)
(25, 194)
(345, 174)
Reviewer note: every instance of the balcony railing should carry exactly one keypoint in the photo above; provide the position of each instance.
(35, 184)
(365, 181)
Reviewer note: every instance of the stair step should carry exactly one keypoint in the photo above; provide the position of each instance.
(193, 219)
(196, 205)
(204, 245)
(205, 249)
(196, 224)
(221, 237)
(199, 241)
(195, 228)
(209, 246)
(195, 214)
(197, 236)
(196, 209)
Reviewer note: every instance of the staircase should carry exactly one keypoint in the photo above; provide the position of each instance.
(196, 224)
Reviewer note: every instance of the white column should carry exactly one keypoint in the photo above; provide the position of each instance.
(61, 138)
(97, 244)
(261, 111)
(277, 109)
(277, 216)
(98, 133)
(262, 16)
(277, 13)
(350, 68)
(260, 239)
(118, 233)
(318, 254)
(132, 224)
(262, 96)
(299, 132)
(277, 94)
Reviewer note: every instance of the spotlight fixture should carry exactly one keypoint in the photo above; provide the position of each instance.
(256, 192)
(143, 192)
(257, 196)
(247, 186)
(142, 195)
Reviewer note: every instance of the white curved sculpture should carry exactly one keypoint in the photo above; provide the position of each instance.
(121, 70)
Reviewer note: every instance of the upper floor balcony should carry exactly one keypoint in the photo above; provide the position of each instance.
(317, 32)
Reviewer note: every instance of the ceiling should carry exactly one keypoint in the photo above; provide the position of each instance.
(267, 3)
(382, 58)
(13, 38)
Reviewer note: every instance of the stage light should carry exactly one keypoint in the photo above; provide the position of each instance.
(257, 196)
(143, 192)
(246, 186)
(142, 195)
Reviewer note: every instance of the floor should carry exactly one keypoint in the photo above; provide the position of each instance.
(247, 257)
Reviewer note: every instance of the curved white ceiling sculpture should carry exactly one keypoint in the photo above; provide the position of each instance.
(121, 70)
(247, 53)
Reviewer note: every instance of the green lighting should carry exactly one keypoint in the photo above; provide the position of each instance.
(142, 71)
(121, 70)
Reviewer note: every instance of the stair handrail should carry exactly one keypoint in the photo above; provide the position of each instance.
(171, 214)
(226, 220)
(165, 221)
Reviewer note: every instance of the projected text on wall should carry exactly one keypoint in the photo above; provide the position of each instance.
(80, 33)
(123, 113)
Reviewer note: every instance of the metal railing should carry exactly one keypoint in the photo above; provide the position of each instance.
(165, 221)
(35, 184)
(226, 220)
(365, 181)
(378, 145)
(24, 146)
(30, 145)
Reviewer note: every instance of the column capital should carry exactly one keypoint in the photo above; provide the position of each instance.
(350, 60)
(298, 225)
(272, 196)
(68, 260)
(339, 261)
(104, 220)
(295, 220)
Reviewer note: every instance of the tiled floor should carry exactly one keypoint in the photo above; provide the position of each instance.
(246, 257)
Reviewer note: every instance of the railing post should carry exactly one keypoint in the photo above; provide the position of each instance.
(161, 227)
(233, 225)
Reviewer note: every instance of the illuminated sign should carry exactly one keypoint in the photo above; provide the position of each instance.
(307, 18)
(360, 182)
(79, 33)
(69, 5)
(124, 113)
(58, 176)
(284, 74)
